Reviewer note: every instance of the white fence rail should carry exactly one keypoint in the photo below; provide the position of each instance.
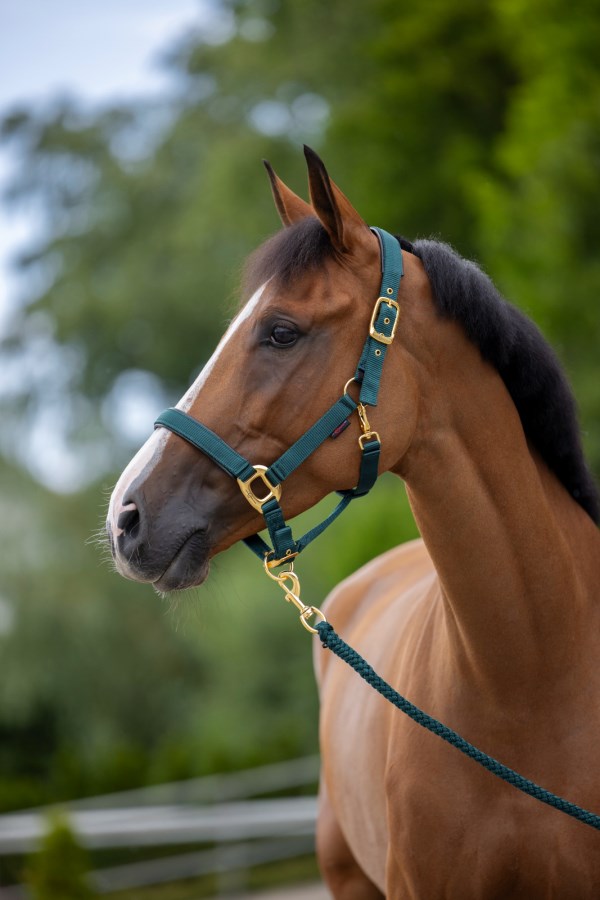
(217, 810)
(164, 825)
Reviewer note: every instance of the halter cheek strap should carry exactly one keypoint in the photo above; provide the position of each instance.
(382, 329)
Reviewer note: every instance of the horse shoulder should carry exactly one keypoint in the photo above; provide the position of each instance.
(390, 585)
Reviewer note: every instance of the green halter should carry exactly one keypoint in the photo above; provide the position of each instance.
(382, 329)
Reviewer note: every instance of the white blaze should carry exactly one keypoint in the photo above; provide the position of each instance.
(149, 455)
(190, 395)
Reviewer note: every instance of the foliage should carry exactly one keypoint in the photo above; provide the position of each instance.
(58, 870)
(476, 121)
(537, 208)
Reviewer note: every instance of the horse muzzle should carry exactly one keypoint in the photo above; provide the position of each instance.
(171, 553)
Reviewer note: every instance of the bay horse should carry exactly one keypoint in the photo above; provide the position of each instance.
(490, 622)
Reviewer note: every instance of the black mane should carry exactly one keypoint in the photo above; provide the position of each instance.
(507, 339)
(524, 360)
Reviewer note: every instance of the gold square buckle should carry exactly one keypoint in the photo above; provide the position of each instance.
(379, 335)
(273, 490)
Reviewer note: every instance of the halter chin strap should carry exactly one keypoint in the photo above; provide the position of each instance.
(384, 320)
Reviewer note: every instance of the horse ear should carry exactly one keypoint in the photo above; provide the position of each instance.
(290, 206)
(331, 206)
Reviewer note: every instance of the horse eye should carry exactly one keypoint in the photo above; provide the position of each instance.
(283, 336)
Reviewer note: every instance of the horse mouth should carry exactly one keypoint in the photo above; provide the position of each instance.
(188, 567)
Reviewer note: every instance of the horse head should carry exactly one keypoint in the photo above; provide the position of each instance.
(308, 298)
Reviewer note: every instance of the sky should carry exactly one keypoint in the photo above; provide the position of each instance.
(97, 50)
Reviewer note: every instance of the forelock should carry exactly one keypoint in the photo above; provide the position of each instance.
(289, 254)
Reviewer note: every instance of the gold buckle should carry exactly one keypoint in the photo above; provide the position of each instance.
(378, 335)
(274, 490)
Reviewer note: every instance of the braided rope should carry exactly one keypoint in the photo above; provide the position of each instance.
(332, 641)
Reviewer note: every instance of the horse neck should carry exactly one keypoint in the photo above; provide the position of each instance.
(515, 555)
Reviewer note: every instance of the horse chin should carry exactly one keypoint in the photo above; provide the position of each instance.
(188, 568)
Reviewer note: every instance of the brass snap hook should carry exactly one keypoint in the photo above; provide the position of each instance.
(289, 583)
(367, 433)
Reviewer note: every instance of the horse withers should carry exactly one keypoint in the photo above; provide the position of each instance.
(490, 622)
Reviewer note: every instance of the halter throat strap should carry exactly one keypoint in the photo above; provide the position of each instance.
(382, 329)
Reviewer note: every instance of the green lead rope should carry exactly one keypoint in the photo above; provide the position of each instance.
(332, 641)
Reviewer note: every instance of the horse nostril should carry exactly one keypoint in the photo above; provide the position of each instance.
(129, 520)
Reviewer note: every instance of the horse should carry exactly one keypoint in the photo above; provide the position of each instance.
(490, 621)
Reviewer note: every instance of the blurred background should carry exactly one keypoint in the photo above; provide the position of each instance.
(132, 190)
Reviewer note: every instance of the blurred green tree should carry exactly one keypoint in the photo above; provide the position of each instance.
(537, 205)
(475, 121)
(58, 871)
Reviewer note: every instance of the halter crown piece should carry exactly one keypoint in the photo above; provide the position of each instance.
(382, 329)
